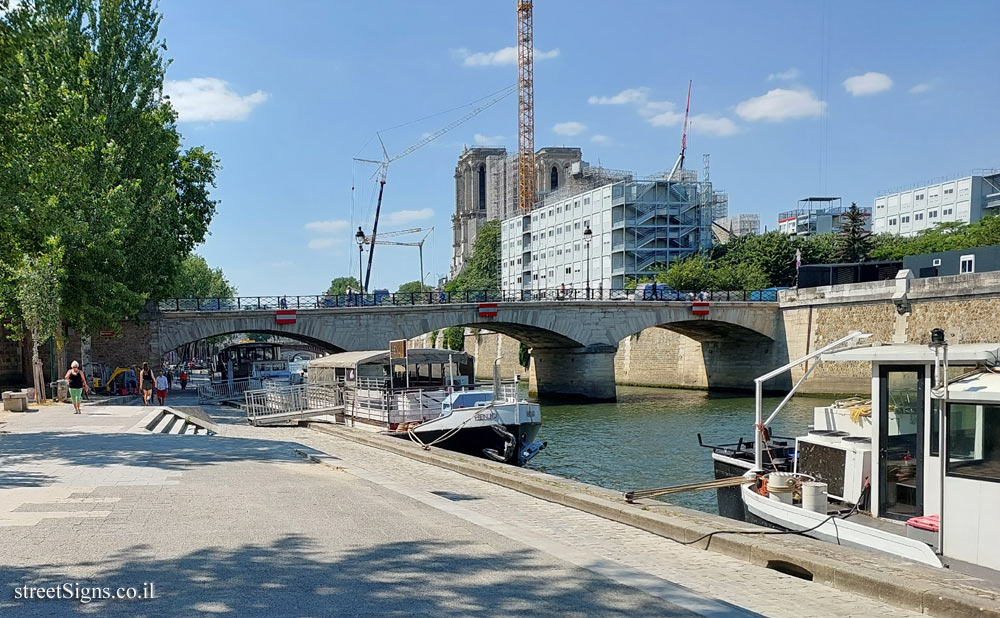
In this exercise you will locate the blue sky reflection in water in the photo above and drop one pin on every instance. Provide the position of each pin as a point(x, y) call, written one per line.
point(649, 437)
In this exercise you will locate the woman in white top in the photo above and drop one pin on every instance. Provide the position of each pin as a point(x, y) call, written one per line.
point(161, 388)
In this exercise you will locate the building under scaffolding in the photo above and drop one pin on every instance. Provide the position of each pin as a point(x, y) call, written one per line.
point(636, 227)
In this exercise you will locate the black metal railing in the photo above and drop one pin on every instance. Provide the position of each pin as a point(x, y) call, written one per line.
point(387, 299)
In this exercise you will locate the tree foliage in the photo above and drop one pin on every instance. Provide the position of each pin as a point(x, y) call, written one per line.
point(523, 355)
point(480, 272)
point(91, 156)
point(454, 338)
point(945, 237)
point(854, 242)
point(700, 273)
point(196, 279)
point(340, 285)
point(38, 292)
point(412, 287)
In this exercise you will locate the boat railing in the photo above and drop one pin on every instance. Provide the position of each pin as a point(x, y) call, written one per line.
point(227, 390)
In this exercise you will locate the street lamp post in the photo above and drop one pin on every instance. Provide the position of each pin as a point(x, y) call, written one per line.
point(360, 237)
point(587, 235)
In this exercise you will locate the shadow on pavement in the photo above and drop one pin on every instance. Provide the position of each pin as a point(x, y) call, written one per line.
point(291, 578)
point(20, 453)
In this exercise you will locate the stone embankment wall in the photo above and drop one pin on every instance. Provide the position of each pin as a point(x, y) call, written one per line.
point(482, 345)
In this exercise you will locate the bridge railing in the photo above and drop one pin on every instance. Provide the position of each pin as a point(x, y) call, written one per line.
point(387, 299)
point(275, 399)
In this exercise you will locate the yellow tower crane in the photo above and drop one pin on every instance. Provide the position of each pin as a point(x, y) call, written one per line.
point(525, 106)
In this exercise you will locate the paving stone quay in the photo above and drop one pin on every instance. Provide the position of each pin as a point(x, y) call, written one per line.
point(241, 524)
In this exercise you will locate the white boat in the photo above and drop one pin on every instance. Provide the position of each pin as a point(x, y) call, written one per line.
point(891, 474)
point(434, 401)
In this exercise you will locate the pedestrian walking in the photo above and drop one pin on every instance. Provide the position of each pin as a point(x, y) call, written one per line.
point(184, 380)
point(170, 379)
point(146, 382)
point(161, 388)
point(77, 385)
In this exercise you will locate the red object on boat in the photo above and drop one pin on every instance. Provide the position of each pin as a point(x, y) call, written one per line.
point(487, 310)
point(927, 522)
point(284, 316)
point(699, 307)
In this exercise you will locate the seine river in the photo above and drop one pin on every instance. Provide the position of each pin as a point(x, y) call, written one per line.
point(649, 438)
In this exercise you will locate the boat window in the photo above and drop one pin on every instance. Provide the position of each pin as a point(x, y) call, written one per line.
point(974, 441)
point(935, 428)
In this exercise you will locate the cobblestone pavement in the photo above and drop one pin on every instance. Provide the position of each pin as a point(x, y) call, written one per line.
point(240, 524)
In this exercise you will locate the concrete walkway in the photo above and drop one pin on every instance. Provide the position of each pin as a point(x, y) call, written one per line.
point(242, 524)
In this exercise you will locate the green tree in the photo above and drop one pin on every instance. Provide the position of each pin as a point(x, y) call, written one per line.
point(523, 355)
point(454, 338)
point(480, 272)
point(854, 244)
point(412, 287)
point(340, 286)
point(92, 156)
point(196, 279)
point(819, 249)
point(38, 292)
point(694, 273)
point(773, 254)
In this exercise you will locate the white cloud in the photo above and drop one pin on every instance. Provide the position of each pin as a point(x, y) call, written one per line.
point(791, 73)
point(709, 124)
point(484, 140)
point(209, 99)
point(324, 243)
point(781, 104)
point(661, 114)
point(867, 84)
point(500, 57)
point(629, 95)
point(569, 128)
point(401, 217)
point(333, 225)
point(600, 139)
point(919, 88)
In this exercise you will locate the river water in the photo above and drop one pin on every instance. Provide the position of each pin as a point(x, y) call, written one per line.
point(649, 437)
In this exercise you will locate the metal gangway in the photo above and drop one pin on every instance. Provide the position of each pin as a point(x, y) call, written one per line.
point(280, 403)
point(228, 391)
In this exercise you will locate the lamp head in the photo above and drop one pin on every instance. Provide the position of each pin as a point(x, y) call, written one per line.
point(587, 234)
point(360, 236)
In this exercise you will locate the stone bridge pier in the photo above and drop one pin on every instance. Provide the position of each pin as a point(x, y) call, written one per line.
point(573, 344)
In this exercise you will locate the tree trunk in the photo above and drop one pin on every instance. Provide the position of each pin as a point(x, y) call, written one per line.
point(37, 370)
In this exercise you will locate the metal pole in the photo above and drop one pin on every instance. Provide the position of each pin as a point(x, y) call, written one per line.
point(758, 443)
point(588, 269)
point(942, 452)
point(420, 249)
point(361, 268)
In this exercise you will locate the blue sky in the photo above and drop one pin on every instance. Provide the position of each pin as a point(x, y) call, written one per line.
point(790, 99)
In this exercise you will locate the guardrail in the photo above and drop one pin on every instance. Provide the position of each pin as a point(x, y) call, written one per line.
point(280, 401)
point(257, 303)
point(225, 390)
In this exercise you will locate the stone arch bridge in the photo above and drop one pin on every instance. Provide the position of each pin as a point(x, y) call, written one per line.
point(573, 342)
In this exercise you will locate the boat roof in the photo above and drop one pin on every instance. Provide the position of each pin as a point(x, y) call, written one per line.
point(413, 355)
point(915, 353)
point(981, 387)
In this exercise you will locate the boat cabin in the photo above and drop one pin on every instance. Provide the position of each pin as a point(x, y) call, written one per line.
point(422, 368)
point(939, 474)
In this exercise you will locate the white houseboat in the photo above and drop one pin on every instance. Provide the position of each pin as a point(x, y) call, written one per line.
point(893, 473)
point(430, 396)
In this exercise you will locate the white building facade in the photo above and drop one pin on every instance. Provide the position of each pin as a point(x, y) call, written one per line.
point(964, 200)
point(636, 227)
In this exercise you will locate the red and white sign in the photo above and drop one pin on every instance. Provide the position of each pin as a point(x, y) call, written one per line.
point(487, 310)
point(699, 307)
point(284, 316)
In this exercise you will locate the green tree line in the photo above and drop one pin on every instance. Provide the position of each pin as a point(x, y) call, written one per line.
point(94, 181)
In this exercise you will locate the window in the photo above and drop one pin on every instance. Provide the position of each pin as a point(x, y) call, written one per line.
point(967, 264)
point(946, 211)
point(550, 233)
point(918, 217)
point(569, 270)
point(918, 197)
point(555, 178)
point(576, 225)
point(936, 262)
point(534, 237)
point(558, 230)
point(974, 441)
point(586, 223)
point(932, 214)
point(877, 206)
point(905, 219)
point(558, 251)
point(534, 277)
point(558, 210)
point(519, 280)
point(586, 201)
point(550, 273)
point(542, 215)
point(482, 187)
point(892, 222)
point(550, 212)
point(948, 191)
point(519, 261)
